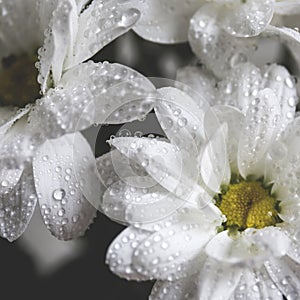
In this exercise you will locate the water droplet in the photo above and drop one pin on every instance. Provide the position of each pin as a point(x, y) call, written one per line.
point(59, 194)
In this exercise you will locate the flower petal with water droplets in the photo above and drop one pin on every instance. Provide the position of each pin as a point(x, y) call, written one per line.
point(168, 165)
point(285, 274)
point(234, 119)
point(58, 44)
point(260, 129)
point(251, 245)
point(217, 281)
point(240, 86)
point(175, 252)
point(93, 93)
point(182, 119)
point(247, 18)
point(136, 204)
point(165, 21)
point(120, 253)
point(175, 290)
point(17, 207)
point(99, 24)
point(279, 80)
point(216, 48)
point(256, 284)
point(214, 164)
point(200, 80)
point(284, 161)
point(61, 186)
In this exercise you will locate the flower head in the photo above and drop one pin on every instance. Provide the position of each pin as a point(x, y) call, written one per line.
point(42, 154)
point(215, 213)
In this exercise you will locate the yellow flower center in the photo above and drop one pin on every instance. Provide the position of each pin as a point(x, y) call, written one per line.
point(18, 81)
point(248, 204)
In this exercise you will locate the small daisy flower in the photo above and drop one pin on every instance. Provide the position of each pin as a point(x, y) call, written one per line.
point(213, 212)
point(42, 111)
point(168, 21)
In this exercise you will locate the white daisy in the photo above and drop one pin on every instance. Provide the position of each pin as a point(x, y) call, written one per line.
point(74, 96)
point(215, 215)
point(168, 21)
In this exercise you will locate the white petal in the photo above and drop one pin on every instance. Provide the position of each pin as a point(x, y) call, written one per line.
point(17, 207)
point(133, 204)
point(287, 7)
point(174, 252)
point(216, 48)
point(278, 79)
point(260, 130)
point(100, 24)
point(284, 162)
point(62, 177)
point(177, 290)
point(119, 256)
point(112, 167)
point(256, 285)
point(200, 80)
point(217, 281)
point(249, 246)
point(18, 144)
point(164, 21)
point(182, 119)
point(247, 18)
point(294, 250)
point(93, 93)
point(58, 43)
point(289, 37)
point(167, 164)
point(240, 86)
point(214, 164)
point(9, 178)
point(285, 274)
point(234, 119)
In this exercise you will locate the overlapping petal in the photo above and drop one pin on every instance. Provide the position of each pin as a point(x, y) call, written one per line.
point(93, 93)
point(166, 21)
point(17, 206)
point(61, 186)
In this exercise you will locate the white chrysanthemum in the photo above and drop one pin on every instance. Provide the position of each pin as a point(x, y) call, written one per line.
point(43, 156)
point(213, 213)
point(168, 21)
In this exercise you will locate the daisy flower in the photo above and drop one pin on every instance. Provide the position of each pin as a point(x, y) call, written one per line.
point(43, 155)
point(212, 212)
point(168, 21)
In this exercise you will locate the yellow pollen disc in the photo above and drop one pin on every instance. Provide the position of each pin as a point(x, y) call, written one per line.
point(18, 81)
point(248, 204)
